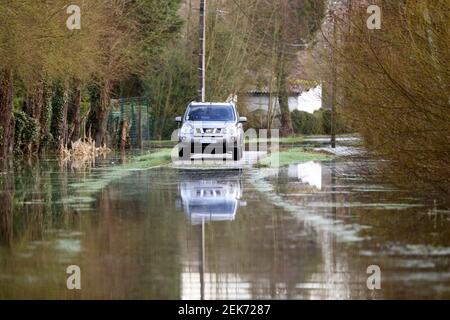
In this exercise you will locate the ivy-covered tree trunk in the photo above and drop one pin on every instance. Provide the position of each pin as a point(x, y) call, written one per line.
point(45, 118)
point(32, 106)
point(6, 108)
point(100, 100)
point(73, 113)
point(34, 101)
point(60, 102)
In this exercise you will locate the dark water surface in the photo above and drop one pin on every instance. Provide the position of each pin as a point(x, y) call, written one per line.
point(307, 231)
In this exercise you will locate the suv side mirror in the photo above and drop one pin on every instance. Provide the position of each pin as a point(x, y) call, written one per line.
point(179, 119)
point(243, 120)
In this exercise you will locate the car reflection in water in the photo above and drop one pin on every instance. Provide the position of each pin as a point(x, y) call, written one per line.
point(207, 196)
point(211, 195)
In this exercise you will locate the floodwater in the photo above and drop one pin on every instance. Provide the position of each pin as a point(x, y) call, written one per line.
point(306, 231)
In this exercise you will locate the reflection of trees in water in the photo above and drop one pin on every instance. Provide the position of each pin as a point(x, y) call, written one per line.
point(313, 202)
point(415, 225)
point(6, 203)
point(262, 247)
point(132, 240)
point(31, 196)
point(353, 194)
point(129, 242)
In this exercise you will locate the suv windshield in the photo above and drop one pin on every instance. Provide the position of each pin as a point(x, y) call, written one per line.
point(211, 113)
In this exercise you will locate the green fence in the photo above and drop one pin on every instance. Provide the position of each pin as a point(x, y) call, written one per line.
point(134, 115)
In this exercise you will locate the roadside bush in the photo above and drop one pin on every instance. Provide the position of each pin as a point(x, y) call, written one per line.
point(306, 123)
point(324, 118)
point(26, 132)
point(318, 123)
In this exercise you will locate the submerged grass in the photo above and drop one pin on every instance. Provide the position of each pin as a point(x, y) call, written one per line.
point(150, 160)
point(89, 187)
point(291, 156)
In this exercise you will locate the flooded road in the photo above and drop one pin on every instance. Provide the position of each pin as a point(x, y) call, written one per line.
point(306, 231)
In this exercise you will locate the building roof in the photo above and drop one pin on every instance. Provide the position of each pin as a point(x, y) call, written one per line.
point(267, 91)
point(295, 87)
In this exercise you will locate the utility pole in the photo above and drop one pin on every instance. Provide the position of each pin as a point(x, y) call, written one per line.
point(202, 53)
point(333, 85)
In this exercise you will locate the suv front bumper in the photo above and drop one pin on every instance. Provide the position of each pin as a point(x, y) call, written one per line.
point(208, 140)
point(213, 145)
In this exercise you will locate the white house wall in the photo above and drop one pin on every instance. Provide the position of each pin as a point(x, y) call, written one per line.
point(261, 102)
point(309, 101)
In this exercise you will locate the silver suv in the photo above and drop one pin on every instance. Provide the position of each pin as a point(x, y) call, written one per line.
point(211, 128)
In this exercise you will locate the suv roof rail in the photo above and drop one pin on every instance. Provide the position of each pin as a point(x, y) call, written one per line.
point(212, 103)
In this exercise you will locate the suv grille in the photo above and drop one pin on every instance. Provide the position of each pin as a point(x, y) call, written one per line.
point(209, 130)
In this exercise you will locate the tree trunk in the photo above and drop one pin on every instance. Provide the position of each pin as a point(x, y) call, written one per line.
point(286, 121)
point(32, 106)
point(45, 118)
point(60, 104)
point(100, 98)
point(73, 112)
point(283, 98)
point(34, 102)
point(6, 108)
point(124, 134)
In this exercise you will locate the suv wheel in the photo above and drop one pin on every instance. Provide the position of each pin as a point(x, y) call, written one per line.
point(237, 153)
point(184, 153)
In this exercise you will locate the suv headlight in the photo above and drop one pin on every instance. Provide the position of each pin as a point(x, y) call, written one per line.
point(187, 129)
point(230, 131)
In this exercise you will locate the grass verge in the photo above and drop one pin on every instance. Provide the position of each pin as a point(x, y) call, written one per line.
point(148, 161)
